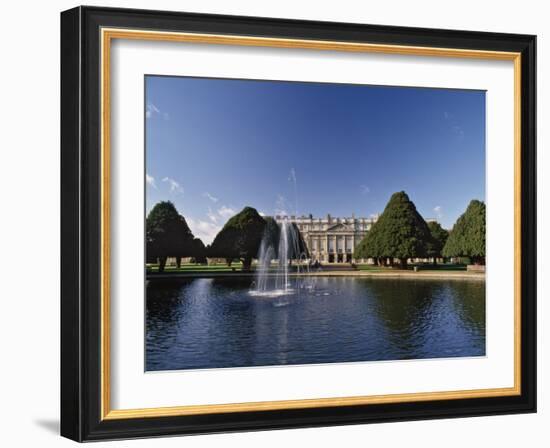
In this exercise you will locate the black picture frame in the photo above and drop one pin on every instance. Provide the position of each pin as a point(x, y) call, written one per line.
point(81, 224)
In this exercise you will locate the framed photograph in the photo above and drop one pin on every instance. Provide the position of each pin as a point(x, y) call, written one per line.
point(273, 223)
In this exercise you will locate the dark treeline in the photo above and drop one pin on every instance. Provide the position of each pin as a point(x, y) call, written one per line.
point(400, 234)
point(168, 235)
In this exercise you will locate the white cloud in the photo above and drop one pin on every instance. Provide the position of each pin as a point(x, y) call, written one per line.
point(455, 126)
point(364, 189)
point(221, 215)
point(150, 181)
point(151, 110)
point(175, 187)
point(207, 229)
point(261, 213)
point(458, 130)
point(226, 212)
point(212, 216)
point(438, 211)
point(204, 230)
point(209, 196)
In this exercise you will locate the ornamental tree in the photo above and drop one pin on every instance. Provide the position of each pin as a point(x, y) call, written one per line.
point(239, 238)
point(400, 232)
point(368, 247)
point(439, 238)
point(467, 237)
point(271, 237)
point(299, 247)
point(199, 252)
point(167, 234)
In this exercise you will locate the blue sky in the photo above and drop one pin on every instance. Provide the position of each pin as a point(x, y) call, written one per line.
point(214, 146)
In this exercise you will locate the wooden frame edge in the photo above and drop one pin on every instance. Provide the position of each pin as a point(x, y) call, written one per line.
point(306, 403)
point(107, 34)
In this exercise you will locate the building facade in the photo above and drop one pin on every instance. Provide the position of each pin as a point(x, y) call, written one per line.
point(329, 239)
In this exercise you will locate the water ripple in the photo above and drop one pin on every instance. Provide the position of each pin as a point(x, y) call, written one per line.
point(211, 323)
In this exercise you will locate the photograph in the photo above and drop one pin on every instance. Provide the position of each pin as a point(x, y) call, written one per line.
point(273, 222)
point(294, 223)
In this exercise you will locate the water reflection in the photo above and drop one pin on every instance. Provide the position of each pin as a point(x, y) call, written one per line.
point(210, 323)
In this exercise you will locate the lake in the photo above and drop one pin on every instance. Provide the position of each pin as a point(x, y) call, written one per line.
point(202, 323)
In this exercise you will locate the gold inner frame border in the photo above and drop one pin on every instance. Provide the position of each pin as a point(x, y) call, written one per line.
point(107, 36)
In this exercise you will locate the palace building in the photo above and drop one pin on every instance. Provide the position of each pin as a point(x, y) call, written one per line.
point(331, 240)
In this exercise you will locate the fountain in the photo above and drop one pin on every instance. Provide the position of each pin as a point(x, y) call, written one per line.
point(283, 243)
point(280, 242)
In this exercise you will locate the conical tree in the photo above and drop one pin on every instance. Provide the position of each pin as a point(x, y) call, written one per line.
point(239, 238)
point(368, 247)
point(167, 234)
point(272, 235)
point(439, 238)
point(199, 252)
point(299, 249)
point(400, 232)
point(467, 237)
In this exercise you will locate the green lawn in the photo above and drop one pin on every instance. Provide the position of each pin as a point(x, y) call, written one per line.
point(237, 267)
point(371, 267)
point(194, 268)
point(410, 267)
point(440, 267)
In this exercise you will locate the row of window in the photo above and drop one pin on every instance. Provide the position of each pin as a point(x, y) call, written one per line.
point(316, 246)
point(349, 250)
point(321, 227)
